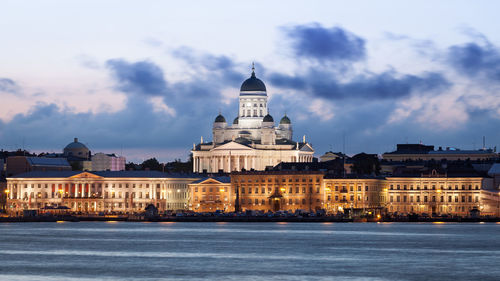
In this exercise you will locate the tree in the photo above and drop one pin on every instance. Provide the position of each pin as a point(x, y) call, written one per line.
point(152, 164)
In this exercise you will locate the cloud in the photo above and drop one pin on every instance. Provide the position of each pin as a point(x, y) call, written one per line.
point(476, 60)
point(143, 77)
point(8, 86)
point(387, 85)
point(316, 42)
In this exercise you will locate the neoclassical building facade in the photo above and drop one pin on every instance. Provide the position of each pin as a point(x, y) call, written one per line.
point(105, 191)
point(252, 141)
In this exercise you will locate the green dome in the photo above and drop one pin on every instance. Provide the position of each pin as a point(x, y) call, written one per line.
point(268, 118)
point(285, 120)
point(220, 119)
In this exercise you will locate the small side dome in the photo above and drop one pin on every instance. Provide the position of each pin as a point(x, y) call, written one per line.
point(285, 120)
point(220, 119)
point(268, 118)
point(235, 122)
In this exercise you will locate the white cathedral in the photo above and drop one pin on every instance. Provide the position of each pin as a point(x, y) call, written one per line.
point(253, 141)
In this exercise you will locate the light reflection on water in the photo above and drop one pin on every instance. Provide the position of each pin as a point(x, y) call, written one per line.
point(249, 251)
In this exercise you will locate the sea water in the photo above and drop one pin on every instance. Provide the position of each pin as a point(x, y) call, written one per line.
point(249, 251)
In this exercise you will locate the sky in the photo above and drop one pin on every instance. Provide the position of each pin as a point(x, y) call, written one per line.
point(147, 78)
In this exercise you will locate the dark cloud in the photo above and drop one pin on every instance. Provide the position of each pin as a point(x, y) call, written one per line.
point(325, 44)
point(141, 77)
point(220, 69)
point(8, 85)
point(386, 85)
point(476, 60)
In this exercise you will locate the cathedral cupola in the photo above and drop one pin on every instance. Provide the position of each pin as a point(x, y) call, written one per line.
point(253, 84)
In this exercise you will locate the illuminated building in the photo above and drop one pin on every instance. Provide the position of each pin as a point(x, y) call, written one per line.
point(107, 162)
point(252, 141)
point(435, 194)
point(356, 194)
point(108, 191)
point(211, 194)
point(279, 190)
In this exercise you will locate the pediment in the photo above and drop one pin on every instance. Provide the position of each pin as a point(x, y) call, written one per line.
point(232, 146)
point(210, 181)
point(307, 147)
point(86, 175)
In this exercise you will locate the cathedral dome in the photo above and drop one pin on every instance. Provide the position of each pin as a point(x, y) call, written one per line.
point(235, 122)
point(253, 84)
point(220, 119)
point(285, 120)
point(268, 118)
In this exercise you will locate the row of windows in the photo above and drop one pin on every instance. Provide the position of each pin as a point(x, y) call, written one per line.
point(270, 201)
point(433, 187)
point(99, 185)
point(351, 188)
point(249, 113)
point(254, 105)
point(433, 199)
point(277, 180)
point(168, 195)
point(351, 198)
point(283, 190)
point(210, 198)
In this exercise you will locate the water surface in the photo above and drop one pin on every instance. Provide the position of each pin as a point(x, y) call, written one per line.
point(249, 251)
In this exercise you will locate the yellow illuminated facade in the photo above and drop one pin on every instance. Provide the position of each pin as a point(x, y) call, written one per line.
point(360, 194)
point(434, 194)
point(279, 190)
point(211, 194)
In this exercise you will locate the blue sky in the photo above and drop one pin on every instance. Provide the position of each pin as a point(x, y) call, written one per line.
point(148, 79)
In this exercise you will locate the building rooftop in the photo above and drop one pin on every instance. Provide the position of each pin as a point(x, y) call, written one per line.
point(105, 174)
point(42, 161)
point(221, 179)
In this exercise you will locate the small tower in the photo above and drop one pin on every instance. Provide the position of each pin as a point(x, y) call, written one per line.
point(219, 128)
point(268, 135)
point(285, 128)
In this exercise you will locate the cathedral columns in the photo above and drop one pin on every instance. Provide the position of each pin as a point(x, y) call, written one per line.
point(246, 163)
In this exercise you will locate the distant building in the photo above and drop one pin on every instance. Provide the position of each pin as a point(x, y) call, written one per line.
point(211, 194)
point(107, 162)
point(328, 156)
point(78, 155)
point(23, 164)
point(420, 152)
point(76, 149)
point(106, 191)
point(252, 141)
